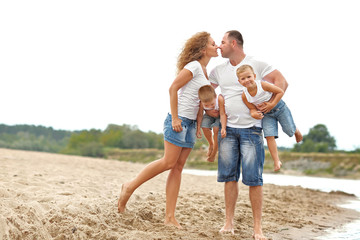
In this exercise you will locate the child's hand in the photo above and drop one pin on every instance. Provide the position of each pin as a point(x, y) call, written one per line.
point(198, 133)
point(223, 132)
point(265, 107)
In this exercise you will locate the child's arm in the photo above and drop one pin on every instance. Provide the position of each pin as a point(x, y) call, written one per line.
point(199, 119)
point(253, 110)
point(278, 93)
point(223, 117)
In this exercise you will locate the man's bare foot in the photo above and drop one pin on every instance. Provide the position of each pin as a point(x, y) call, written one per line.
point(226, 229)
point(259, 237)
point(298, 136)
point(123, 198)
point(172, 222)
point(211, 147)
point(277, 165)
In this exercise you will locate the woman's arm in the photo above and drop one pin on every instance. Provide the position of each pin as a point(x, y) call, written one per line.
point(182, 78)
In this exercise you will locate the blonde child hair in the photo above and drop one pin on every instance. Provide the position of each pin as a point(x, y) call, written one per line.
point(243, 68)
point(206, 93)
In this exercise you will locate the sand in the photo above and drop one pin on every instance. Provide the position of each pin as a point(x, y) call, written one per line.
point(53, 196)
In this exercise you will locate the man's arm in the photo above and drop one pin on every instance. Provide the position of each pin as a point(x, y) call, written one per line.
point(276, 78)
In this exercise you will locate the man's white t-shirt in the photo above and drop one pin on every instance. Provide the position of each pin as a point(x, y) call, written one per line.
point(188, 100)
point(224, 75)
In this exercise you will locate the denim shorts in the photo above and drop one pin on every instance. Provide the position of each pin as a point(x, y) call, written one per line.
point(186, 138)
point(210, 122)
point(242, 147)
point(280, 113)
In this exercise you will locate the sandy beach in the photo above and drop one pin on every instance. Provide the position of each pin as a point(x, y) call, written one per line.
point(53, 196)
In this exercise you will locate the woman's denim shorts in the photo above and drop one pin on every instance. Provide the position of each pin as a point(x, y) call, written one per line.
point(186, 138)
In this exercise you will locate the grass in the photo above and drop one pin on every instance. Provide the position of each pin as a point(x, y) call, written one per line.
point(342, 165)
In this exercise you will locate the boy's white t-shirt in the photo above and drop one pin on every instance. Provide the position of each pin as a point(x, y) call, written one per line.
point(224, 75)
point(188, 100)
point(260, 96)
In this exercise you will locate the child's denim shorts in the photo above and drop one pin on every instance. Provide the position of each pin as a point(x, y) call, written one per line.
point(210, 122)
point(186, 138)
point(280, 113)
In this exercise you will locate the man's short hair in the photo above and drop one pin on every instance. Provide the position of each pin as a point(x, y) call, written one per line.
point(236, 35)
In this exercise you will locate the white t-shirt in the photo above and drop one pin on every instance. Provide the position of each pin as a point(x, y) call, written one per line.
point(188, 100)
point(260, 96)
point(224, 75)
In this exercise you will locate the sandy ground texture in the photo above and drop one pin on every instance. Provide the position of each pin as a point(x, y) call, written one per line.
point(52, 196)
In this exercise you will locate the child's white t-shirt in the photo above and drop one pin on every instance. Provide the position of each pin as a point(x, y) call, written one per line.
point(260, 96)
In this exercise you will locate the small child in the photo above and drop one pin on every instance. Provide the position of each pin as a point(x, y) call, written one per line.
point(256, 92)
point(214, 114)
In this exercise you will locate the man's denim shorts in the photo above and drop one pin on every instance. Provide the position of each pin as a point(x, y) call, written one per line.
point(242, 147)
point(210, 122)
point(186, 138)
point(280, 113)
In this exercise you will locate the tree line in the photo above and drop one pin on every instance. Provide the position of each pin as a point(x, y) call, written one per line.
point(96, 142)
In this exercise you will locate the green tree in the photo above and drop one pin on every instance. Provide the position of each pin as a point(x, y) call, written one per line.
point(317, 140)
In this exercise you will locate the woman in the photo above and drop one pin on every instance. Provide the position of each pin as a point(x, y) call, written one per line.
point(180, 125)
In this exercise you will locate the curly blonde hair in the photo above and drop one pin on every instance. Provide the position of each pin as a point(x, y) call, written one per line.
point(192, 49)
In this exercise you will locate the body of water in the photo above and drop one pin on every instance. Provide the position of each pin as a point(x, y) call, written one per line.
point(349, 231)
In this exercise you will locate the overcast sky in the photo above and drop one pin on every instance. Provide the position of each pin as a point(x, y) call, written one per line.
point(76, 65)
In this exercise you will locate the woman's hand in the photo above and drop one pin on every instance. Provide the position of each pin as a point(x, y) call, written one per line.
point(176, 124)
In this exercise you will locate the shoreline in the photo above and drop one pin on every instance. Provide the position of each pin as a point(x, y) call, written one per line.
point(53, 196)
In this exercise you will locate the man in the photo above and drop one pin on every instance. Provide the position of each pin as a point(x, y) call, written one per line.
point(243, 144)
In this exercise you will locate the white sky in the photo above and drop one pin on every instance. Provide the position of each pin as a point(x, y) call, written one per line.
point(76, 65)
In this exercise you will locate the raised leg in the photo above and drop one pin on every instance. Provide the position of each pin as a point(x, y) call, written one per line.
point(171, 155)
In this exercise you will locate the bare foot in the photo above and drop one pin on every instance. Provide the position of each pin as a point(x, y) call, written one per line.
point(172, 222)
point(211, 147)
point(259, 237)
point(123, 198)
point(277, 165)
point(226, 229)
point(211, 158)
point(298, 136)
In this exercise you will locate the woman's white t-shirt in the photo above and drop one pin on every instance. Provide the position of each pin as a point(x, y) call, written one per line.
point(188, 100)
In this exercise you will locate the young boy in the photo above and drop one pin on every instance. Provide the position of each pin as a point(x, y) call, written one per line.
point(214, 115)
point(256, 92)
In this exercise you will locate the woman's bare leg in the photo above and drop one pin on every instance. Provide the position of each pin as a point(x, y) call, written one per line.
point(173, 186)
point(171, 155)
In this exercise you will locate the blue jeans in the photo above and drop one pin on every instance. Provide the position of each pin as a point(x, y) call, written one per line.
point(185, 138)
point(242, 147)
